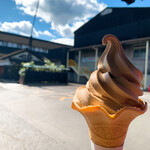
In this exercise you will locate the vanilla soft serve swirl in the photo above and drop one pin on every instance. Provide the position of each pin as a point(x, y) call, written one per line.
point(116, 82)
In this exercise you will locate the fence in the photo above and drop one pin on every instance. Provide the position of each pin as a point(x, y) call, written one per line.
point(48, 77)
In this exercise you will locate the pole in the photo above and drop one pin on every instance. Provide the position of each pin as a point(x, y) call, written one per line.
point(146, 65)
point(96, 57)
point(67, 61)
point(79, 59)
point(30, 40)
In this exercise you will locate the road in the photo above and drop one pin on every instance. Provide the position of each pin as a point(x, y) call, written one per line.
point(40, 118)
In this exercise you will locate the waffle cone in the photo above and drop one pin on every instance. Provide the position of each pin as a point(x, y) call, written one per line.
point(105, 129)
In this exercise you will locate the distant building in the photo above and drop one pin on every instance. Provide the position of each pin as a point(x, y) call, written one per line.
point(15, 49)
point(130, 25)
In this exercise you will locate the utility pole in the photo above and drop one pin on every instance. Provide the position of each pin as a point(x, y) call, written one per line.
point(146, 65)
point(30, 40)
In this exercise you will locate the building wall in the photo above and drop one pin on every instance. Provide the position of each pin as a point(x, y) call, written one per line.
point(122, 32)
point(125, 23)
point(138, 62)
point(14, 41)
point(88, 59)
point(58, 56)
point(148, 80)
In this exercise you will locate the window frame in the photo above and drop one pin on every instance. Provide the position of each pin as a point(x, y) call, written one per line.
point(140, 56)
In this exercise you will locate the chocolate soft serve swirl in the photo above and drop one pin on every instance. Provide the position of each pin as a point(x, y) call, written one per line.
point(116, 82)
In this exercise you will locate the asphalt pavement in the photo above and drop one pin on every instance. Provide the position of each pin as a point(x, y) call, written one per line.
point(39, 117)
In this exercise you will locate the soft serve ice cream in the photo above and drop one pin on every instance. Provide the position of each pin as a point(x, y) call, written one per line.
point(109, 101)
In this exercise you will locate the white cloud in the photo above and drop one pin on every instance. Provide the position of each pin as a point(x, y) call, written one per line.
point(64, 15)
point(64, 31)
point(46, 33)
point(77, 24)
point(67, 41)
point(22, 28)
point(67, 30)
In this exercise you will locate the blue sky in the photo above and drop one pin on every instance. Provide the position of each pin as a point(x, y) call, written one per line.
point(56, 19)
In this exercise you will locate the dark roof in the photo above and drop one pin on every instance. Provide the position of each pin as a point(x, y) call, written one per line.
point(41, 56)
point(115, 16)
point(125, 23)
point(11, 37)
point(5, 56)
point(137, 42)
point(18, 52)
point(6, 50)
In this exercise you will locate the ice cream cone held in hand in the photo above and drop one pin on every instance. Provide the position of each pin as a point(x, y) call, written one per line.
point(109, 101)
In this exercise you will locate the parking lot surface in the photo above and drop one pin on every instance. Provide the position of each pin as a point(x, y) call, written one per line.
point(39, 117)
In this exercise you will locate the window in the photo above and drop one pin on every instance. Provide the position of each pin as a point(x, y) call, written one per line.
point(41, 50)
point(4, 43)
point(14, 45)
point(10, 44)
point(45, 51)
point(139, 53)
point(33, 49)
point(25, 46)
point(19, 46)
point(36, 49)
